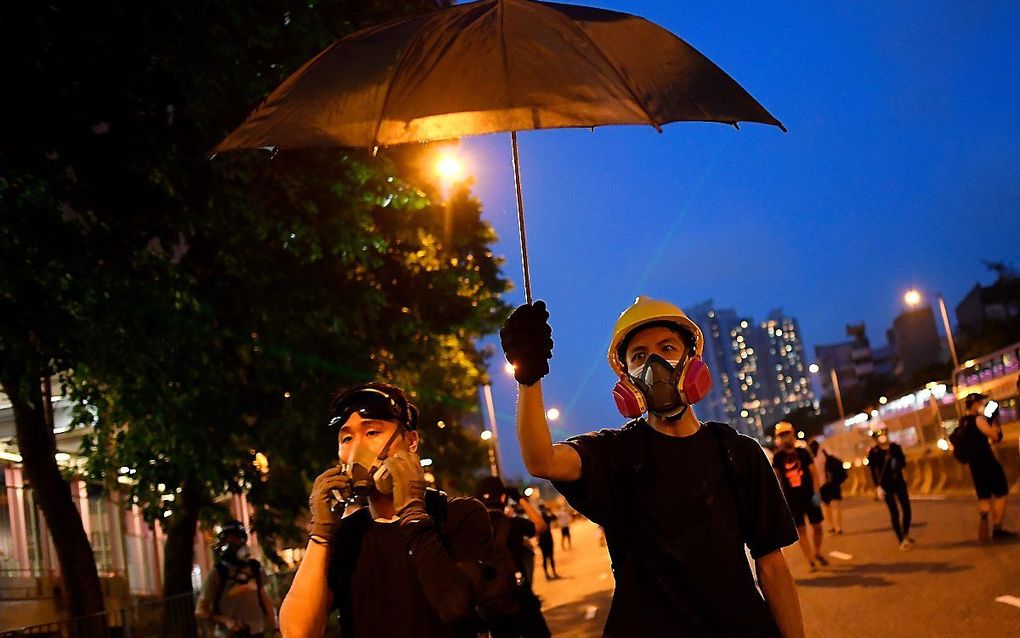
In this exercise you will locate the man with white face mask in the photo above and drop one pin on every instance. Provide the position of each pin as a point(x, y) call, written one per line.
point(678, 499)
point(234, 597)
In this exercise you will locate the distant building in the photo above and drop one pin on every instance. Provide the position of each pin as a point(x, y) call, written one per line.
point(916, 341)
point(854, 361)
point(759, 371)
point(716, 324)
point(786, 382)
point(999, 302)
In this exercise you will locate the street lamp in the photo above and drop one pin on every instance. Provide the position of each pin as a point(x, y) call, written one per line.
point(451, 170)
point(552, 414)
point(913, 299)
point(509, 368)
point(492, 434)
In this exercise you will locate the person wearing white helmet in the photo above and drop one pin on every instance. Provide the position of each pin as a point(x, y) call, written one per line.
point(679, 499)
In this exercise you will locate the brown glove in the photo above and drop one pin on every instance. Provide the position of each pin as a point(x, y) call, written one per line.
point(408, 480)
point(324, 519)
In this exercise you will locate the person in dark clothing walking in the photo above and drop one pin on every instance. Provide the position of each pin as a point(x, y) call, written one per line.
point(546, 544)
point(679, 499)
point(989, 478)
point(886, 462)
point(411, 561)
point(511, 608)
point(797, 473)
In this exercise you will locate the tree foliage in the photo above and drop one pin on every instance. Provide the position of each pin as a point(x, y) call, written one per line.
point(209, 308)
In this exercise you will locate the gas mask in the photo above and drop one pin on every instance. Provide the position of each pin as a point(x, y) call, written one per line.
point(658, 380)
point(235, 554)
point(366, 471)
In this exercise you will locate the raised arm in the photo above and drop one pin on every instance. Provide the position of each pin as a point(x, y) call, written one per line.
point(527, 342)
point(305, 610)
point(543, 459)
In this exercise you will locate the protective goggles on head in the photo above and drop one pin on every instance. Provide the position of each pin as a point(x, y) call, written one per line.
point(374, 403)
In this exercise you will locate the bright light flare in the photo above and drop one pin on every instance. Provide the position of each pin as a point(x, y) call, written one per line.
point(426, 462)
point(813, 368)
point(486, 435)
point(528, 491)
point(509, 368)
point(552, 414)
point(943, 445)
point(912, 297)
point(450, 168)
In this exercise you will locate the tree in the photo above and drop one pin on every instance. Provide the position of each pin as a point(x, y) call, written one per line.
point(207, 308)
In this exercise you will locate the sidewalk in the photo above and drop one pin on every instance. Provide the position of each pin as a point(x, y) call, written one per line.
point(576, 605)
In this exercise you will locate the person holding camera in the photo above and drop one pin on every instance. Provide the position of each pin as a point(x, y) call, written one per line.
point(233, 596)
point(411, 561)
point(981, 420)
point(678, 498)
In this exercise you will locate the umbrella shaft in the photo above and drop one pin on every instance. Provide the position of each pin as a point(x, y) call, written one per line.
point(520, 217)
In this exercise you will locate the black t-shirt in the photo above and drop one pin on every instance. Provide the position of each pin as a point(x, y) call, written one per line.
point(794, 468)
point(520, 528)
point(668, 506)
point(371, 568)
point(887, 465)
point(982, 453)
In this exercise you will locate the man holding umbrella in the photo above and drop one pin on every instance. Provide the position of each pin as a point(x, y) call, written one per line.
point(679, 499)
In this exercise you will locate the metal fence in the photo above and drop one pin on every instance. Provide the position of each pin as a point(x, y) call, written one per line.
point(167, 618)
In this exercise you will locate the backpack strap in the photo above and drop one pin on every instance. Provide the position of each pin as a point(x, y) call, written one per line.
point(725, 436)
point(224, 575)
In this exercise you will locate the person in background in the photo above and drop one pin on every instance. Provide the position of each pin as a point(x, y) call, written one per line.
point(564, 517)
point(989, 478)
point(234, 597)
point(830, 468)
point(546, 544)
point(800, 480)
point(886, 462)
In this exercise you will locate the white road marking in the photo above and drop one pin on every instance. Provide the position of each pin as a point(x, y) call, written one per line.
point(1009, 600)
point(590, 611)
point(841, 555)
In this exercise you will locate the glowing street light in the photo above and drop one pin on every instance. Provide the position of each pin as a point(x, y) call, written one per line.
point(813, 368)
point(450, 168)
point(912, 297)
point(509, 367)
point(486, 435)
point(552, 414)
point(528, 491)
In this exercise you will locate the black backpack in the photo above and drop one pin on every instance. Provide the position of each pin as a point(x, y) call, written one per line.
point(964, 440)
point(834, 466)
point(502, 593)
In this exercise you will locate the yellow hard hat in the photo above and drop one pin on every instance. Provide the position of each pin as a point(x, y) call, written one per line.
point(644, 311)
point(783, 427)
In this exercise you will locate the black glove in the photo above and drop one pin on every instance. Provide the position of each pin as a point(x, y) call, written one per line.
point(527, 342)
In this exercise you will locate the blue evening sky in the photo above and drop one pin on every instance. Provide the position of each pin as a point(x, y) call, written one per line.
point(901, 168)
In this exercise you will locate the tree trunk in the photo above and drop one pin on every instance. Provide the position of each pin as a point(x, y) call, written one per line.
point(74, 553)
point(179, 553)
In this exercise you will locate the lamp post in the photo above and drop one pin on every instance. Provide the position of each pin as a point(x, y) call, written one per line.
point(913, 298)
point(813, 369)
point(492, 434)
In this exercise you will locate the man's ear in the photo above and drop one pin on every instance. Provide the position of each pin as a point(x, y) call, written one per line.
point(412, 442)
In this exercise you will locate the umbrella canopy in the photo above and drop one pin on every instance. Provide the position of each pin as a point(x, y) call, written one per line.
point(492, 66)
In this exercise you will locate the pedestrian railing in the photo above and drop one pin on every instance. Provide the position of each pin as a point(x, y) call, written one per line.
point(172, 617)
